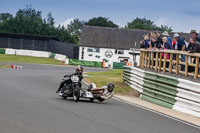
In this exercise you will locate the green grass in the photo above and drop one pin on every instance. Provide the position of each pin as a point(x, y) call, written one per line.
point(5, 66)
point(114, 76)
point(28, 59)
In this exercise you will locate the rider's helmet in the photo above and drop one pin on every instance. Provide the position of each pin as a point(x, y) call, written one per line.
point(110, 87)
point(79, 69)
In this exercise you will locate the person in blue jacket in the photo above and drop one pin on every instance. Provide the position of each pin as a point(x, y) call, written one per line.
point(181, 47)
point(165, 34)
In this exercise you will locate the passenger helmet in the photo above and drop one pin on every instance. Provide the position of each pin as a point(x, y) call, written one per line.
point(110, 87)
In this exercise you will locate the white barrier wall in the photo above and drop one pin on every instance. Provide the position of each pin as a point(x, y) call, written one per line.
point(33, 53)
point(10, 51)
point(60, 57)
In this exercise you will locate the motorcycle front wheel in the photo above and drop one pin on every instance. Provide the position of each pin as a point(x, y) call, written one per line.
point(76, 93)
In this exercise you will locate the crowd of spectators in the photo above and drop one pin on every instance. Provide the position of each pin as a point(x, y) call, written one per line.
point(164, 41)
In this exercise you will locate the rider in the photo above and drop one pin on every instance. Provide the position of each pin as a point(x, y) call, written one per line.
point(79, 72)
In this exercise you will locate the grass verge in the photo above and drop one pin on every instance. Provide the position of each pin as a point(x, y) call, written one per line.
point(114, 76)
point(28, 59)
point(4, 66)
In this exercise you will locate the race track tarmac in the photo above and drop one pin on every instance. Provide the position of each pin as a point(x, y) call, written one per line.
point(29, 104)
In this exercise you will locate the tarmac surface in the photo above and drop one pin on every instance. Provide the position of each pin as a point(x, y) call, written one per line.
point(29, 104)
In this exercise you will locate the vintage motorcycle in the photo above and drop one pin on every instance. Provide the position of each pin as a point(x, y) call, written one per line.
point(72, 89)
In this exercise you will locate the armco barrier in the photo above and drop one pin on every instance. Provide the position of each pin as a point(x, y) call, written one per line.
point(178, 94)
point(85, 63)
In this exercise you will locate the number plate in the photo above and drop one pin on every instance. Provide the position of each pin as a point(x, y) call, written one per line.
point(75, 78)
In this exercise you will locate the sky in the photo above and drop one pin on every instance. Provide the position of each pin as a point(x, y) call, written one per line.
point(181, 15)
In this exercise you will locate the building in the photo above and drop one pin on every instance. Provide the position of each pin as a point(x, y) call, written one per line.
point(111, 44)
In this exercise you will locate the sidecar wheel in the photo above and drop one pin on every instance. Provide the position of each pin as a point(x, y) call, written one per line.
point(101, 100)
point(65, 97)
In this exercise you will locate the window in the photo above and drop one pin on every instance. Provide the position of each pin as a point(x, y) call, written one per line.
point(118, 51)
point(97, 50)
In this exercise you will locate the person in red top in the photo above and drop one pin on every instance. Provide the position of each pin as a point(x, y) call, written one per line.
point(174, 44)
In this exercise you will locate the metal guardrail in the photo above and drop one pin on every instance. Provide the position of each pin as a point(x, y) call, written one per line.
point(157, 59)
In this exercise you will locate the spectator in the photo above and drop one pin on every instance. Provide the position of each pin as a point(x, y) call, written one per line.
point(195, 35)
point(174, 44)
point(165, 46)
point(186, 43)
point(153, 42)
point(165, 34)
point(159, 40)
point(179, 42)
point(194, 46)
point(180, 46)
point(145, 43)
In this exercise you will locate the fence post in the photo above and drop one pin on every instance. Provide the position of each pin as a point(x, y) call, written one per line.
point(186, 65)
point(149, 59)
point(170, 62)
point(146, 53)
point(152, 60)
point(164, 64)
point(177, 63)
point(160, 62)
point(156, 65)
point(143, 57)
point(196, 67)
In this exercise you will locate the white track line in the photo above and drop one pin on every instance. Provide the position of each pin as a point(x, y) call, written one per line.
point(142, 107)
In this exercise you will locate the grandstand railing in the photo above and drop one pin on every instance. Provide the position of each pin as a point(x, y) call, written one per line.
point(170, 61)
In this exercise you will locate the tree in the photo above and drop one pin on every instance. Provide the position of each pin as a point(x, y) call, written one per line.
point(50, 20)
point(144, 24)
point(5, 16)
point(102, 22)
point(75, 28)
point(166, 28)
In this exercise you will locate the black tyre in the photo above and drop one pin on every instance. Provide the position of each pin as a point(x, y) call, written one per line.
point(91, 99)
point(101, 100)
point(64, 97)
point(76, 93)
